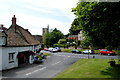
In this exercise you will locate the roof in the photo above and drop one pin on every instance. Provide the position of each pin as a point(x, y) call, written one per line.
point(2, 33)
point(38, 37)
point(18, 36)
point(3, 28)
point(72, 36)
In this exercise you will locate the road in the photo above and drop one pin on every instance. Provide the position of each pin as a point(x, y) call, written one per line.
point(53, 65)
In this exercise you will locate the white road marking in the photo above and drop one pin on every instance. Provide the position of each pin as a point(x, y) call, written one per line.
point(68, 56)
point(35, 71)
point(56, 63)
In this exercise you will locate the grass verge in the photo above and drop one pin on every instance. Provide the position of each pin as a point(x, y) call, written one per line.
point(46, 54)
point(91, 68)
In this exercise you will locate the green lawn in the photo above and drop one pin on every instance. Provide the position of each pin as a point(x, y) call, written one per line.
point(46, 54)
point(91, 68)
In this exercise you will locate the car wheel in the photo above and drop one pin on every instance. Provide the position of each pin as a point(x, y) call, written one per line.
point(108, 54)
point(100, 53)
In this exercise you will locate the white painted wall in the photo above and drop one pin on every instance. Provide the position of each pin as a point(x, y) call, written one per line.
point(2, 40)
point(16, 50)
point(0, 58)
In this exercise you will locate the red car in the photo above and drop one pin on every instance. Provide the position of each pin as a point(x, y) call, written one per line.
point(46, 49)
point(105, 51)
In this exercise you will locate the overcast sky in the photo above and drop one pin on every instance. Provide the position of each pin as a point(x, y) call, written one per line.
point(37, 14)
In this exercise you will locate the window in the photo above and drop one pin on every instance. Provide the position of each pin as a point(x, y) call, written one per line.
point(104, 50)
point(11, 57)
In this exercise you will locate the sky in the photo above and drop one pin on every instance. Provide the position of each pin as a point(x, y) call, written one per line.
point(37, 14)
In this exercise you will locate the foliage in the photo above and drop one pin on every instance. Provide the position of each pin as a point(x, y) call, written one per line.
point(46, 40)
point(59, 45)
point(75, 28)
point(52, 37)
point(99, 21)
point(62, 41)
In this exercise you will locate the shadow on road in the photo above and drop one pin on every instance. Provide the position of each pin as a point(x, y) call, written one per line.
point(12, 72)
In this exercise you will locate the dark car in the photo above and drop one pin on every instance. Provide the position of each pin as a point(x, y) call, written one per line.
point(76, 51)
point(105, 51)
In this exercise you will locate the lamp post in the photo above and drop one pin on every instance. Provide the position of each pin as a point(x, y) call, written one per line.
point(88, 52)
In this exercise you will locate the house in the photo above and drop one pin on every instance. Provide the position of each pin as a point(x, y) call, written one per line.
point(17, 45)
point(80, 35)
point(73, 37)
point(38, 37)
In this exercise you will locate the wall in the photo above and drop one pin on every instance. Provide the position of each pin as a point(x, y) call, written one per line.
point(2, 40)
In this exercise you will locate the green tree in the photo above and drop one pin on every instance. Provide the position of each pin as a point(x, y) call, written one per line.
point(75, 27)
point(100, 22)
point(54, 36)
point(46, 39)
point(62, 41)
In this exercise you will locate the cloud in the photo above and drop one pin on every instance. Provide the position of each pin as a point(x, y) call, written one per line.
point(37, 14)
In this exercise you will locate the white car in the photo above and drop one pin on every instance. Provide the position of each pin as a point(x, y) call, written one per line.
point(88, 51)
point(52, 49)
point(56, 49)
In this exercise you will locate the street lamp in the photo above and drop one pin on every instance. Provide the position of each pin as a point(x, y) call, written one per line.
point(88, 52)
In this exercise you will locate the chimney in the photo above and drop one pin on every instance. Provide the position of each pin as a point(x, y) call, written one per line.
point(14, 20)
point(1, 25)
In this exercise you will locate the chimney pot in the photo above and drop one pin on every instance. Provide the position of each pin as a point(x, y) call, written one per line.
point(13, 20)
point(1, 25)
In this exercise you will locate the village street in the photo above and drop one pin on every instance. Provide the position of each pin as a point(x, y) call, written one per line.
point(54, 64)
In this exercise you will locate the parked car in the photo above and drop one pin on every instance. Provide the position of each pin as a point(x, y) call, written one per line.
point(46, 49)
point(52, 50)
point(88, 51)
point(76, 51)
point(57, 49)
point(105, 51)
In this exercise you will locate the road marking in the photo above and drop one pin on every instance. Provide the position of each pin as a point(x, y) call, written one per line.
point(35, 71)
point(68, 56)
point(56, 63)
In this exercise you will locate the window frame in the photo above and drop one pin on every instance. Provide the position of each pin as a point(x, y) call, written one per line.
point(11, 57)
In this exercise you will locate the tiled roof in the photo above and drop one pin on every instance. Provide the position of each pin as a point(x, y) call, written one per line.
point(18, 36)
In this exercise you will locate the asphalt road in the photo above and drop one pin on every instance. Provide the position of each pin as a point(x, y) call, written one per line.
point(53, 65)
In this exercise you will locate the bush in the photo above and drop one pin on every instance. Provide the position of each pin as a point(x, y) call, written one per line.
point(59, 45)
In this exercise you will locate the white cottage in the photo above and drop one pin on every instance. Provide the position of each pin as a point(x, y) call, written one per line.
point(17, 46)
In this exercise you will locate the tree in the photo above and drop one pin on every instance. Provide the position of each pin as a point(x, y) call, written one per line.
point(54, 36)
point(75, 27)
point(100, 22)
point(62, 41)
point(46, 39)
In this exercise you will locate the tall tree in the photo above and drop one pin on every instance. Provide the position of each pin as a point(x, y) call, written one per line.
point(52, 37)
point(75, 27)
point(46, 39)
point(55, 35)
point(100, 22)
